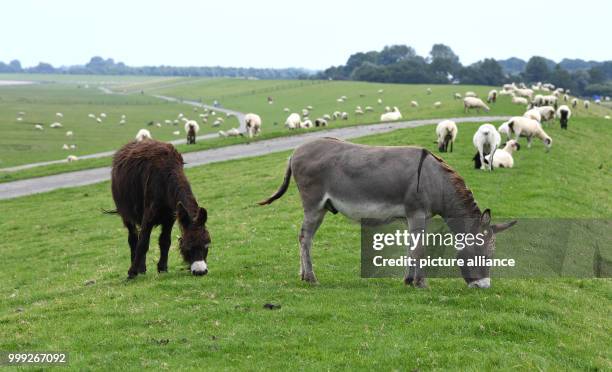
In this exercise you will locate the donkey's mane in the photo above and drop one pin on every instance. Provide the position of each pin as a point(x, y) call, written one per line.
point(463, 192)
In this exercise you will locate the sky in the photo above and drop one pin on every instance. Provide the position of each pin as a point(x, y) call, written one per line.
point(313, 34)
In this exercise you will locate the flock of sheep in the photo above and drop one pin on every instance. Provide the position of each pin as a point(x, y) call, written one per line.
point(542, 102)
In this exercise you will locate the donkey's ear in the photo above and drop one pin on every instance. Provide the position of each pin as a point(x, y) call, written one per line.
point(182, 215)
point(485, 218)
point(202, 217)
point(499, 227)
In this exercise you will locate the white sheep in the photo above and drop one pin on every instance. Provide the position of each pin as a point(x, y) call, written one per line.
point(414, 104)
point(293, 121)
point(327, 117)
point(457, 96)
point(336, 115)
point(73, 147)
point(142, 135)
point(428, 91)
point(59, 114)
point(191, 129)
point(380, 91)
point(65, 147)
point(529, 128)
point(99, 120)
point(91, 116)
point(253, 124)
point(344, 116)
point(392, 115)
point(177, 132)
point(103, 115)
point(369, 109)
point(574, 102)
point(505, 130)
point(387, 109)
point(234, 132)
point(492, 96)
point(587, 104)
point(520, 101)
point(563, 113)
point(379, 101)
point(503, 157)
point(446, 131)
point(534, 114)
point(486, 140)
point(469, 93)
point(286, 109)
point(546, 113)
point(437, 104)
point(72, 158)
point(474, 103)
point(55, 125)
point(524, 92)
point(38, 127)
point(320, 122)
point(306, 124)
point(69, 133)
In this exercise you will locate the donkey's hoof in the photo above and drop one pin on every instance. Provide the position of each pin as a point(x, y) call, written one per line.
point(421, 283)
point(162, 268)
point(132, 274)
point(309, 277)
point(408, 281)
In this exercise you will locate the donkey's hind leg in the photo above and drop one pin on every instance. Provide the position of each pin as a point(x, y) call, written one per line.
point(132, 238)
point(164, 245)
point(312, 221)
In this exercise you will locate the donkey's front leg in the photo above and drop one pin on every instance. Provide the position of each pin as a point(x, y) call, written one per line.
point(139, 265)
point(415, 275)
point(312, 221)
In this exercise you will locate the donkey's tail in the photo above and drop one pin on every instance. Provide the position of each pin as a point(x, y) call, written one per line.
point(424, 153)
point(109, 212)
point(282, 189)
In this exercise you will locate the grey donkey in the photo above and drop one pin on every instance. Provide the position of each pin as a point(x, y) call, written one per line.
point(383, 183)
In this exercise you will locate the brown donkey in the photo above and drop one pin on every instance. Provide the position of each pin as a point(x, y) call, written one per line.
point(150, 188)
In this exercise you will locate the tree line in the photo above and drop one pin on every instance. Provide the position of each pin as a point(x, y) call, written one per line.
point(401, 64)
point(100, 66)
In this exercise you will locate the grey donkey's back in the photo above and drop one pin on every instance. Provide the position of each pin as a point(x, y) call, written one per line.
point(374, 182)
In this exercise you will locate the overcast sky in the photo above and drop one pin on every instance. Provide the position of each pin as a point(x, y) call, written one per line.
point(309, 33)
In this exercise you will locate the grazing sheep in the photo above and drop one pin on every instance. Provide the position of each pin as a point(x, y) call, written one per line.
point(234, 132)
point(65, 147)
point(38, 127)
point(142, 135)
point(72, 147)
point(305, 112)
point(177, 132)
point(55, 125)
point(320, 122)
point(428, 91)
point(306, 124)
point(565, 98)
point(546, 112)
point(446, 132)
point(486, 140)
point(19, 118)
point(414, 104)
point(344, 116)
point(524, 92)
point(564, 113)
point(340, 100)
point(69, 134)
point(72, 158)
point(504, 129)
point(327, 117)
point(437, 104)
point(369, 109)
point(99, 120)
point(191, 128)
point(380, 91)
point(286, 109)
point(122, 121)
point(607, 117)
point(504, 93)
point(379, 101)
point(59, 114)
point(309, 107)
point(387, 109)
point(587, 104)
point(598, 101)
point(520, 101)
point(529, 128)
point(574, 102)
point(492, 96)
point(103, 115)
point(336, 115)
point(293, 121)
point(392, 115)
point(457, 96)
point(253, 124)
point(358, 111)
point(469, 93)
point(503, 158)
point(474, 103)
point(216, 123)
point(534, 114)
point(91, 116)
point(158, 125)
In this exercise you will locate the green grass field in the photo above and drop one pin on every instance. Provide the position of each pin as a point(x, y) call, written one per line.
point(21, 143)
point(53, 243)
